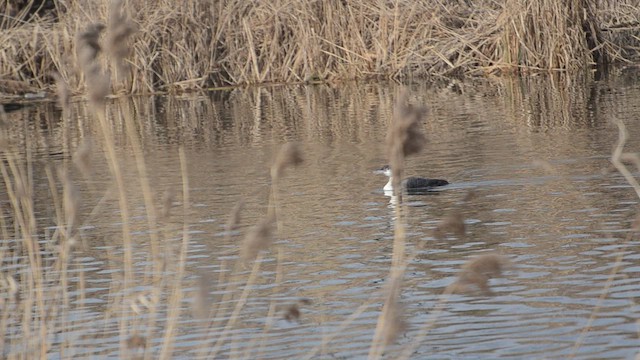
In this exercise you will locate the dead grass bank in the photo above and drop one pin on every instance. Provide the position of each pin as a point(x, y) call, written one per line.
point(197, 44)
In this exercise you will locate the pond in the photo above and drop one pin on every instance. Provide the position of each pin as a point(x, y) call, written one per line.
point(149, 267)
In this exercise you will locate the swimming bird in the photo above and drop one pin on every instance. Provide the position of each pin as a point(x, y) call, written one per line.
point(411, 184)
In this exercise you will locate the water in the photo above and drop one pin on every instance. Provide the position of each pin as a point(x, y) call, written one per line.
point(534, 153)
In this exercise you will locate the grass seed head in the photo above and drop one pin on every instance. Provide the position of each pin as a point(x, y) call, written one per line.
point(471, 283)
point(289, 155)
point(259, 238)
point(119, 29)
point(476, 273)
point(87, 50)
point(88, 46)
point(405, 136)
point(136, 342)
point(451, 224)
point(491, 265)
point(292, 313)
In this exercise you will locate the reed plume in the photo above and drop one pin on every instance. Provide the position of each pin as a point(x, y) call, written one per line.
point(136, 341)
point(453, 223)
point(259, 238)
point(476, 273)
point(88, 46)
point(404, 137)
point(119, 30)
point(292, 313)
point(87, 50)
point(289, 155)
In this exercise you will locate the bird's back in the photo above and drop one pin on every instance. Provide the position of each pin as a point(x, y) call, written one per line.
point(424, 184)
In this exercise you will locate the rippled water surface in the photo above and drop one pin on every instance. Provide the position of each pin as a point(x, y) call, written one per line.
point(534, 154)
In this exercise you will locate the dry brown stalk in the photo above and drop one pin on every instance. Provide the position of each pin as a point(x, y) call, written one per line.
point(82, 157)
point(62, 91)
point(71, 204)
point(234, 217)
point(167, 203)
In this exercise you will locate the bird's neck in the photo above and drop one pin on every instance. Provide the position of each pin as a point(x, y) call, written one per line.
point(389, 185)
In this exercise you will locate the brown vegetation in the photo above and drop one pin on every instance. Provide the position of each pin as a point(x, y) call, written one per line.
point(201, 44)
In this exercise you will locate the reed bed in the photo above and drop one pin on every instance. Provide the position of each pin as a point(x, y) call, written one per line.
point(199, 45)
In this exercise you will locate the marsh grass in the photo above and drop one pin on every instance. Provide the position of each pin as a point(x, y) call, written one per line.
point(196, 45)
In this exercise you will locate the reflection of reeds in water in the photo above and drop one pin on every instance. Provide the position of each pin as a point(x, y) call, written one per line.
point(554, 101)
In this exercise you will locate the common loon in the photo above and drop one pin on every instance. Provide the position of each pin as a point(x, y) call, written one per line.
point(411, 184)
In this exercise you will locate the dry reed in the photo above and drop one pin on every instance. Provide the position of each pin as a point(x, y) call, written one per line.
point(119, 30)
point(258, 239)
point(292, 313)
point(197, 45)
point(289, 155)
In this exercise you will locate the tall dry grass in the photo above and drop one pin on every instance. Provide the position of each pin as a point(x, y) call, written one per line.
point(200, 44)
